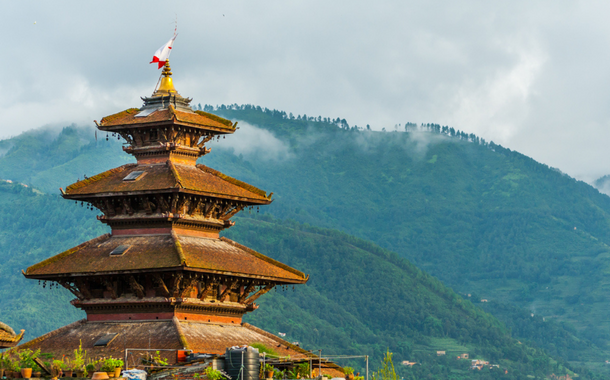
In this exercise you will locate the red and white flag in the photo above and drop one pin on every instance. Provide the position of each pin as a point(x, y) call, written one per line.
point(162, 54)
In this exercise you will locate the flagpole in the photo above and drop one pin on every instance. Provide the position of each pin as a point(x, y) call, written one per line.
point(160, 51)
point(159, 81)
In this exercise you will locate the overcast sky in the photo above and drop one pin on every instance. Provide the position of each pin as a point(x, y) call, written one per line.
point(532, 76)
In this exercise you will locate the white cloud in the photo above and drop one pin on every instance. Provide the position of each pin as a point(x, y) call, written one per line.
point(255, 141)
point(530, 75)
point(498, 107)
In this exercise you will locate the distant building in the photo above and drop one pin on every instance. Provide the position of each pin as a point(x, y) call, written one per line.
point(478, 364)
point(440, 353)
point(408, 363)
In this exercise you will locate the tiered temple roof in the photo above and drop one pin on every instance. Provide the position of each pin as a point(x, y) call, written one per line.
point(205, 255)
point(163, 177)
point(197, 119)
point(163, 277)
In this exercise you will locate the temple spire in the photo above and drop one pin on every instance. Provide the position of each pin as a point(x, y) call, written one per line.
point(166, 87)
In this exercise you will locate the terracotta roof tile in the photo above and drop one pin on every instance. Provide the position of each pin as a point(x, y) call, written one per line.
point(8, 338)
point(209, 338)
point(64, 340)
point(221, 256)
point(233, 181)
point(200, 179)
point(195, 119)
point(224, 256)
point(145, 252)
point(111, 119)
point(216, 338)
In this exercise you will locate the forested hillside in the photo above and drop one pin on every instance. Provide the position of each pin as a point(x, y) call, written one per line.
point(360, 298)
point(50, 159)
point(363, 299)
point(485, 220)
point(34, 227)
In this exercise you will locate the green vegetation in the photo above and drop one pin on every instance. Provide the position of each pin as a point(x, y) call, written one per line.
point(361, 299)
point(485, 220)
point(78, 361)
point(27, 357)
point(109, 364)
point(34, 227)
point(262, 348)
point(386, 371)
point(213, 374)
point(50, 160)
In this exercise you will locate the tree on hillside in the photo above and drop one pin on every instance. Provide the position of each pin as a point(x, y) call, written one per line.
point(387, 371)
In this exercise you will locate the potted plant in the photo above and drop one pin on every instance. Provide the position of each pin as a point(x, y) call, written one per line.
point(16, 368)
point(118, 366)
point(293, 373)
point(303, 369)
point(91, 367)
point(36, 371)
point(56, 369)
point(67, 367)
point(78, 363)
point(26, 361)
point(349, 373)
point(109, 366)
point(277, 374)
point(11, 365)
point(3, 363)
point(268, 370)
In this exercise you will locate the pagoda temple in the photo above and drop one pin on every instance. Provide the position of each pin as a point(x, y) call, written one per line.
point(163, 278)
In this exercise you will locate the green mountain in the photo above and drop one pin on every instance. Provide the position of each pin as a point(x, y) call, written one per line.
point(485, 220)
point(360, 299)
point(34, 226)
point(50, 159)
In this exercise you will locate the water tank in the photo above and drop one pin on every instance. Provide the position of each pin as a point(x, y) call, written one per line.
point(242, 363)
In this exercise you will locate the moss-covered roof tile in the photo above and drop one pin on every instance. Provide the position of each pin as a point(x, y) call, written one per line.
point(166, 176)
point(145, 253)
point(196, 119)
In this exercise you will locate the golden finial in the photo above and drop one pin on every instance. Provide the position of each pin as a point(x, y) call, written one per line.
point(167, 84)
